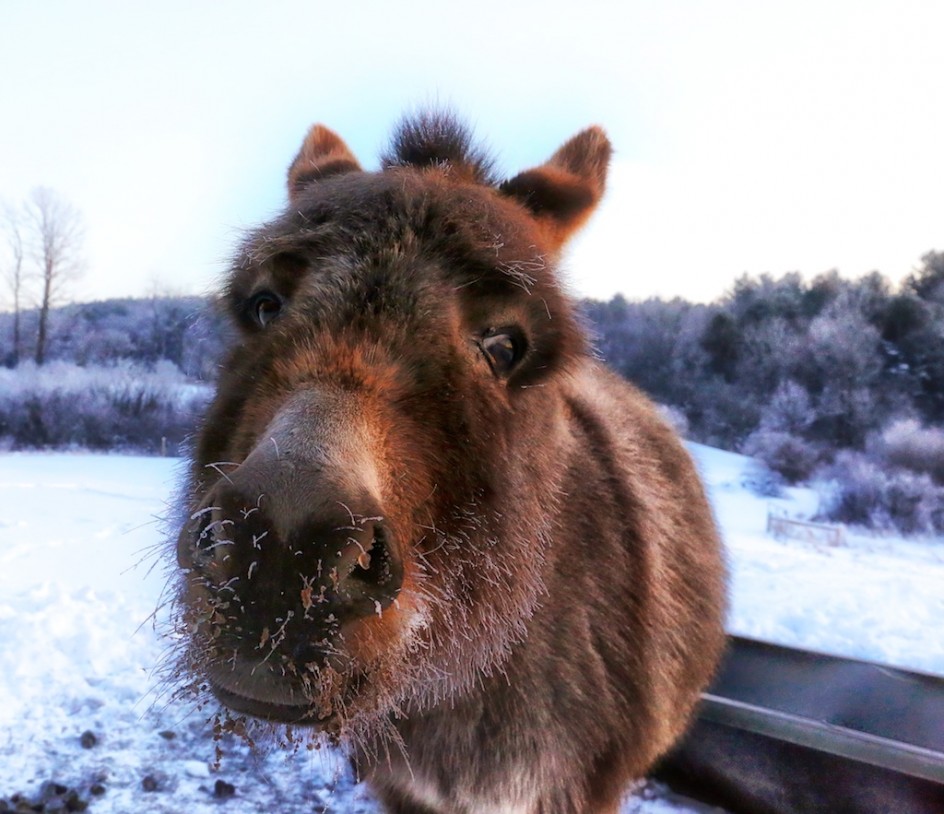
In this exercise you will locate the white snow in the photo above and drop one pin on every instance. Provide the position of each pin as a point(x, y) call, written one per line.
point(79, 535)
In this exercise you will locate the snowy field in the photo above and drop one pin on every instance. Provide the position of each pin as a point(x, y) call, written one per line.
point(80, 707)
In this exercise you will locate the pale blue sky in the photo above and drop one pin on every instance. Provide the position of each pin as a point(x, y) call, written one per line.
point(750, 136)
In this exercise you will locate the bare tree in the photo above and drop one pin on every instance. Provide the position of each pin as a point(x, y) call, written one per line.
point(12, 225)
point(56, 227)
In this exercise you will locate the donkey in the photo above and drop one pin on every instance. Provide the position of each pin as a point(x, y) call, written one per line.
point(424, 519)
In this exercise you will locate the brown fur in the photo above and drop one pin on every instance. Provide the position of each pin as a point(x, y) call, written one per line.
point(546, 593)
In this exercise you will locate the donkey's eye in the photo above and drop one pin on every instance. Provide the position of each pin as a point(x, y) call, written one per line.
point(264, 307)
point(503, 349)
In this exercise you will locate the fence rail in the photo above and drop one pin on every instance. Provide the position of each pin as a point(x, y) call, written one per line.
point(780, 527)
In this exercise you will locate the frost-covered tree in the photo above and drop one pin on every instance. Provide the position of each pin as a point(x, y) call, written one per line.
point(14, 274)
point(56, 234)
point(841, 368)
point(928, 280)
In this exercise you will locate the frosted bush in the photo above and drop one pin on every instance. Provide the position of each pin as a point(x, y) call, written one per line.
point(786, 454)
point(124, 406)
point(865, 492)
point(906, 444)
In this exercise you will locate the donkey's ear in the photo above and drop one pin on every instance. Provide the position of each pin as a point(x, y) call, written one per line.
point(323, 153)
point(562, 193)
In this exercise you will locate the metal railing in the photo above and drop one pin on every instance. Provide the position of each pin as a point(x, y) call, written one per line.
point(792, 731)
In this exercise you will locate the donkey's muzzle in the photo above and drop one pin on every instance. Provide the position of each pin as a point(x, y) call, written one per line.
point(341, 565)
point(290, 547)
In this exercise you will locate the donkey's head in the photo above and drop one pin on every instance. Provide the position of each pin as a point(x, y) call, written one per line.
point(372, 485)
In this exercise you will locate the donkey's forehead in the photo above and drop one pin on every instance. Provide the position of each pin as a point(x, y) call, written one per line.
point(469, 230)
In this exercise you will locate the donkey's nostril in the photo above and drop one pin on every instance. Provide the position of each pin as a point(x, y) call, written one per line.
point(224, 535)
point(377, 574)
point(213, 531)
point(371, 562)
point(203, 541)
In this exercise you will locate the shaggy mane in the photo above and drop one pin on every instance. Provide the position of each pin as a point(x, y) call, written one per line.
point(438, 138)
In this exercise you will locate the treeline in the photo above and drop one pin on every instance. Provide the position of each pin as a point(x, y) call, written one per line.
point(185, 331)
point(838, 381)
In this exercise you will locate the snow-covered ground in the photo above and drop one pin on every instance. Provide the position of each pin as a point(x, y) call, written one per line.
point(79, 705)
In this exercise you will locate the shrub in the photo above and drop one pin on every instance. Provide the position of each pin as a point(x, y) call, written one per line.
point(865, 492)
point(124, 407)
point(906, 444)
point(786, 454)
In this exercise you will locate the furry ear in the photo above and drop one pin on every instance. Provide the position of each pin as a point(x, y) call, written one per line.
point(563, 192)
point(323, 153)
